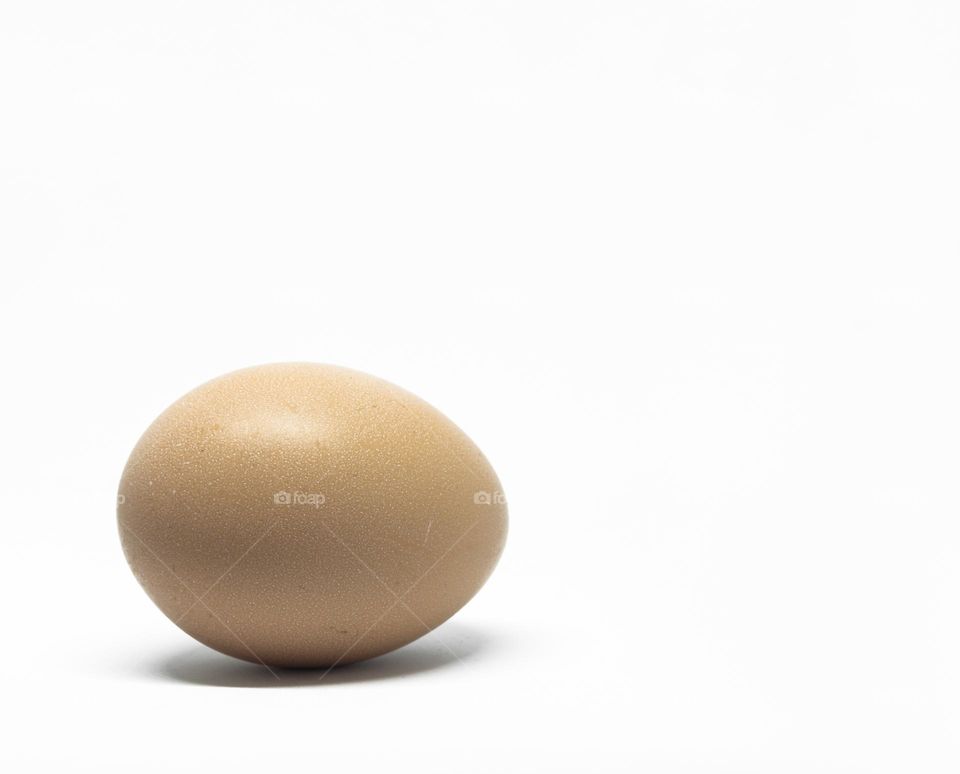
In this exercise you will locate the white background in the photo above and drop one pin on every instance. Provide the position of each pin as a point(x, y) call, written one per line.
point(685, 271)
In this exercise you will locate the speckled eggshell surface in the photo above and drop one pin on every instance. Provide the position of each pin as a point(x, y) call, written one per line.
point(308, 515)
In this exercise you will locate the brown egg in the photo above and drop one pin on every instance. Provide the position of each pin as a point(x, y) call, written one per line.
point(307, 515)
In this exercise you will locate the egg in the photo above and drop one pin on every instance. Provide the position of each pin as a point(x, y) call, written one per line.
point(306, 515)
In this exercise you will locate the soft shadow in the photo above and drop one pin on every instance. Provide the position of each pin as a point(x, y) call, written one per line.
point(453, 644)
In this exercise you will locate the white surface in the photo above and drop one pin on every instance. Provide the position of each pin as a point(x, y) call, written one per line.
point(683, 270)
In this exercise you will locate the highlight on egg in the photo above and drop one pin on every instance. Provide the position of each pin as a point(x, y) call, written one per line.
point(306, 515)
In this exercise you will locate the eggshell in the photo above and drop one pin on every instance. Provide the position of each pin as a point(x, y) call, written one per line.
point(308, 515)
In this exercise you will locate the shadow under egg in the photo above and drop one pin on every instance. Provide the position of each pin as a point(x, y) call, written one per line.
point(448, 646)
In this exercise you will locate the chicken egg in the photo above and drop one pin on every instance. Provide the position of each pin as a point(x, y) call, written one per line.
point(305, 515)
